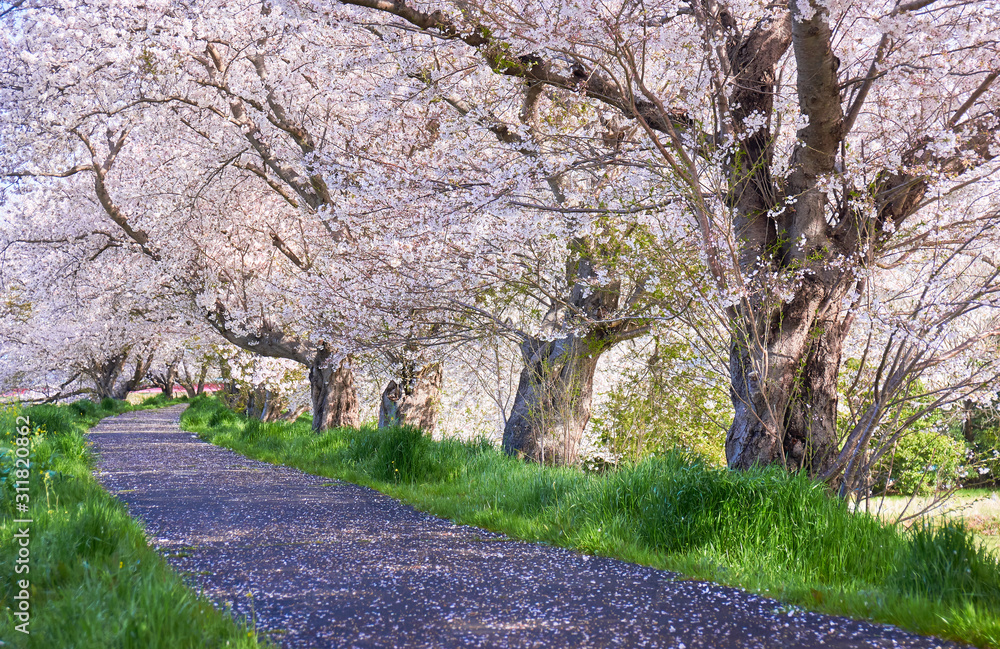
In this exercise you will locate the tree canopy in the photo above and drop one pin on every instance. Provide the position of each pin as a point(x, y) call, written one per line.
point(804, 195)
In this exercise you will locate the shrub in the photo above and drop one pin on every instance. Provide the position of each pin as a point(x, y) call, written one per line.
point(662, 406)
point(986, 455)
point(922, 462)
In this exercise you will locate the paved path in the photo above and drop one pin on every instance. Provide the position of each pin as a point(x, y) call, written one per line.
point(331, 564)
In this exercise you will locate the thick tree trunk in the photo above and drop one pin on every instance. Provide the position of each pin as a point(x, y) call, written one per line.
point(552, 404)
point(105, 375)
point(193, 386)
point(166, 380)
point(168, 388)
point(264, 405)
point(784, 380)
point(122, 388)
point(334, 397)
point(785, 356)
point(415, 400)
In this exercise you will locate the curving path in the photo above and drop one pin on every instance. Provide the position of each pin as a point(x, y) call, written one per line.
point(320, 563)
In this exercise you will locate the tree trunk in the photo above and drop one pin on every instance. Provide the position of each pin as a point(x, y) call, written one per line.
point(168, 388)
point(415, 400)
point(193, 386)
point(105, 375)
point(554, 394)
point(334, 397)
point(784, 380)
point(166, 380)
point(968, 422)
point(785, 356)
point(142, 366)
point(264, 405)
point(293, 415)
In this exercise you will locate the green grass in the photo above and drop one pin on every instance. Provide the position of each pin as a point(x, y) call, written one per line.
point(94, 582)
point(977, 509)
point(762, 530)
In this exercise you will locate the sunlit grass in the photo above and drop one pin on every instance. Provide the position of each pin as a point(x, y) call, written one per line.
point(762, 530)
point(977, 509)
point(94, 581)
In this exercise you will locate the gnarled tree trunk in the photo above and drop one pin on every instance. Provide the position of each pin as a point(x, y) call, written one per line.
point(554, 395)
point(166, 380)
point(413, 401)
point(265, 405)
point(105, 375)
point(334, 397)
point(122, 388)
point(194, 386)
point(784, 380)
point(107, 379)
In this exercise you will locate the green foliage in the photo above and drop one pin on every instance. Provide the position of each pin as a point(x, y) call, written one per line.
point(402, 455)
point(924, 461)
point(221, 416)
point(983, 431)
point(663, 407)
point(110, 405)
point(83, 408)
point(763, 530)
point(763, 517)
point(929, 454)
point(987, 452)
point(160, 400)
point(94, 581)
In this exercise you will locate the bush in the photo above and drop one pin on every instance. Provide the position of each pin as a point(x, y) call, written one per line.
point(663, 406)
point(922, 463)
point(986, 455)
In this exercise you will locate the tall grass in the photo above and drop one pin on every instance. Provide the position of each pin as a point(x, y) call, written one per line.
point(763, 530)
point(94, 581)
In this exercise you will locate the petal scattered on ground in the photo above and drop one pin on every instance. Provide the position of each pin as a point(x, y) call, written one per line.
point(321, 563)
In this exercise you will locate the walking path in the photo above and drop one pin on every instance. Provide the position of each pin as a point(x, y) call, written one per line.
point(323, 563)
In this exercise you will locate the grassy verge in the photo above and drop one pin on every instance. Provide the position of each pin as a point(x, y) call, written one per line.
point(94, 583)
point(762, 530)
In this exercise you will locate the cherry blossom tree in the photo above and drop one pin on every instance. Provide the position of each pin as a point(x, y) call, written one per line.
point(809, 182)
point(781, 128)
